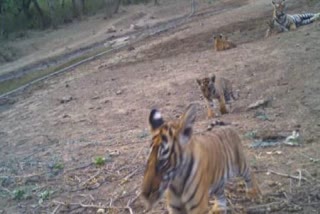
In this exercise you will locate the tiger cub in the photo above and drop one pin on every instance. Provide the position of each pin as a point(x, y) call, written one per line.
point(288, 22)
point(216, 88)
point(221, 43)
point(191, 168)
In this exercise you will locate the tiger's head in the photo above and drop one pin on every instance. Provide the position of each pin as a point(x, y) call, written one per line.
point(207, 86)
point(168, 141)
point(279, 6)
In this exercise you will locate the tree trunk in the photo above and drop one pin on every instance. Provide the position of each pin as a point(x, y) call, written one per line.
point(78, 8)
point(109, 8)
point(25, 8)
point(53, 18)
point(36, 5)
point(193, 7)
point(116, 9)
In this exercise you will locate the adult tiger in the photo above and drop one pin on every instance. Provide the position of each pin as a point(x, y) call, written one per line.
point(286, 21)
point(192, 167)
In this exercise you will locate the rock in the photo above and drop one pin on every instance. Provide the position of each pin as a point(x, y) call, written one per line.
point(134, 27)
point(66, 99)
point(119, 92)
point(112, 29)
point(130, 48)
point(95, 97)
point(100, 211)
point(65, 116)
point(259, 103)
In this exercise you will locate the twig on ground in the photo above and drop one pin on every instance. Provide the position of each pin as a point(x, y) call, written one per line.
point(56, 209)
point(126, 179)
point(288, 176)
point(310, 176)
point(92, 206)
point(78, 167)
point(131, 201)
point(92, 177)
point(5, 190)
point(300, 176)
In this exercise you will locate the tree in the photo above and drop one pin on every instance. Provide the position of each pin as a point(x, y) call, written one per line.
point(112, 6)
point(78, 8)
point(52, 11)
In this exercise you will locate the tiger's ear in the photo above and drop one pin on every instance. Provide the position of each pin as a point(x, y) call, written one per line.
point(186, 124)
point(213, 77)
point(199, 81)
point(155, 119)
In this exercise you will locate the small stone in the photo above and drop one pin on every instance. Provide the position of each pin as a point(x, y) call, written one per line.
point(66, 99)
point(130, 48)
point(65, 116)
point(112, 29)
point(119, 92)
point(95, 97)
point(100, 211)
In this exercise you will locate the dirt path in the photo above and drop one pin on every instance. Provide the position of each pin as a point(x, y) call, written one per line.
point(38, 46)
point(52, 134)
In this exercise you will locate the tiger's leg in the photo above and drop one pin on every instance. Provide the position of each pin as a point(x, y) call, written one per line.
point(223, 108)
point(210, 105)
point(220, 205)
point(292, 26)
point(253, 190)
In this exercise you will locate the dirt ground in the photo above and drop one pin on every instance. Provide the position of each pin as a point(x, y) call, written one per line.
point(53, 133)
point(34, 46)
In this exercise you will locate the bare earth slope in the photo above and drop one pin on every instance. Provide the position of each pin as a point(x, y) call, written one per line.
point(49, 141)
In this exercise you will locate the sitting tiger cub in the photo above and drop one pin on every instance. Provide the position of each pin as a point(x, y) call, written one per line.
point(216, 88)
point(221, 43)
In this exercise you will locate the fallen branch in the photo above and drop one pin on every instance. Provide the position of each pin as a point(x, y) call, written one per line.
point(126, 179)
point(97, 206)
point(299, 178)
point(92, 177)
point(56, 209)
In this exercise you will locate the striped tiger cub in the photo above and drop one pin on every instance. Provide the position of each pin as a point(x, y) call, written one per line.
point(192, 168)
point(289, 22)
point(221, 43)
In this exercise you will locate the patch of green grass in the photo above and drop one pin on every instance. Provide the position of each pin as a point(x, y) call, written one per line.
point(58, 166)
point(99, 161)
point(45, 195)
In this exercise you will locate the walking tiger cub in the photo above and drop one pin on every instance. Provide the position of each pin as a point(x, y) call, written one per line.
point(216, 88)
point(193, 168)
point(288, 22)
point(221, 43)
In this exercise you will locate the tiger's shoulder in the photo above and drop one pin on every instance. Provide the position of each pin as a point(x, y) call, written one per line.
point(221, 43)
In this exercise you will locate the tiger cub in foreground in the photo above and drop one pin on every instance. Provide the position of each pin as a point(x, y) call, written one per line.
point(216, 88)
point(193, 168)
point(286, 22)
point(221, 43)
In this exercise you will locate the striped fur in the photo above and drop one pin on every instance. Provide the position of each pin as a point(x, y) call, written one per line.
point(289, 22)
point(216, 88)
point(192, 168)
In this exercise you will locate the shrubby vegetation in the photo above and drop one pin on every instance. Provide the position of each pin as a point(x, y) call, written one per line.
point(20, 15)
